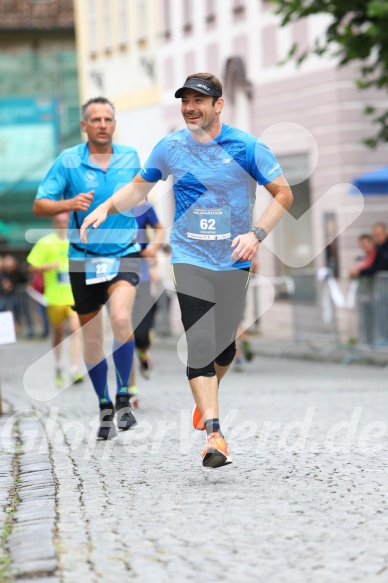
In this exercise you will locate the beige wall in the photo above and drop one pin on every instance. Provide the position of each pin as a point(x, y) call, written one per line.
point(122, 66)
point(124, 63)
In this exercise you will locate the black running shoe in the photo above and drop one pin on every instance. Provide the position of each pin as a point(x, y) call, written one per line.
point(145, 368)
point(145, 364)
point(125, 417)
point(107, 428)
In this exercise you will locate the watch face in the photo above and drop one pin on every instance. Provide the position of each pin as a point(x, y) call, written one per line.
point(259, 233)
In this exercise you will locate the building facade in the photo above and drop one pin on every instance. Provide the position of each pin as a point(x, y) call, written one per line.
point(39, 103)
point(311, 116)
point(118, 57)
point(138, 52)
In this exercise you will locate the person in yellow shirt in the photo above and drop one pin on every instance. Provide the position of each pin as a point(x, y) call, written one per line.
point(49, 256)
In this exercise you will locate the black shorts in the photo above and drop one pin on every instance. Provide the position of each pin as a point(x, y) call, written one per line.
point(89, 298)
point(198, 291)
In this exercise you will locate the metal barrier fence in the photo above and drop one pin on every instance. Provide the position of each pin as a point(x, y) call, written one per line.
point(314, 318)
point(29, 315)
point(313, 311)
point(372, 311)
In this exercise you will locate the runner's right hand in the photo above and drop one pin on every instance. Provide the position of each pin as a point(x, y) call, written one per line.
point(82, 201)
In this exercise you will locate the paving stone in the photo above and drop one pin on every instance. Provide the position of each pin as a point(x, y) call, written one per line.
point(30, 567)
point(29, 468)
point(47, 515)
point(35, 492)
point(40, 580)
point(31, 479)
point(33, 556)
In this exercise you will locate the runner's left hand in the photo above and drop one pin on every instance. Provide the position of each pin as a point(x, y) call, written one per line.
point(95, 219)
point(150, 251)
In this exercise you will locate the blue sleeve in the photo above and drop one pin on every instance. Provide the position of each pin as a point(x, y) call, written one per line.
point(54, 184)
point(156, 167)
point(262, 164)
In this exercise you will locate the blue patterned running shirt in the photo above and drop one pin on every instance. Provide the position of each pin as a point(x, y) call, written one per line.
point(214, 190)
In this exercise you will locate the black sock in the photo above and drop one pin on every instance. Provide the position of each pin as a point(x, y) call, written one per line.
point(213, 426)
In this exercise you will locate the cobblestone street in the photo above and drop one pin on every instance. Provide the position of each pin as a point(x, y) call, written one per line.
point(304, 501)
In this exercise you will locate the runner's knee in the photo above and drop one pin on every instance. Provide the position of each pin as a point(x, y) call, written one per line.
point(201, 346)
point(121, 327)
point(227, 355)
point(205, 371)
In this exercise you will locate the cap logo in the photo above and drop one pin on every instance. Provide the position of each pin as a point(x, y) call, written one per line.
point(205, 87)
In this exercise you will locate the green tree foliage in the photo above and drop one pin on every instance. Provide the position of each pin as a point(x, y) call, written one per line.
point(358, 31)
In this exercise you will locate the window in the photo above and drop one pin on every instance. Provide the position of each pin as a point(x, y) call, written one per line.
point(108, 24)
point(142, 20)
point(187, 16)
point(294, 244)
point(123, 25)
point(93, 39)
point(166, 19)
point(330, 230)
point(238, 8)
point(210, 11)
point(267, 5)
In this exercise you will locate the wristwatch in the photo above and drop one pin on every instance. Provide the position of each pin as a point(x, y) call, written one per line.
point(259, 233)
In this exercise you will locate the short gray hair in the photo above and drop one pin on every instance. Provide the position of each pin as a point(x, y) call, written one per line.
point(102, 100)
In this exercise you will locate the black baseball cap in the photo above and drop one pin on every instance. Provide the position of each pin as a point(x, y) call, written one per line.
point(201, 86)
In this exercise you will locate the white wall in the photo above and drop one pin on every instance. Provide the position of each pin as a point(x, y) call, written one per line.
point(142, 128)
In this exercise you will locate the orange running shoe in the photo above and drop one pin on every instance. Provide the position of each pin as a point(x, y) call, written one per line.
point(216, 452)
point(197, 419)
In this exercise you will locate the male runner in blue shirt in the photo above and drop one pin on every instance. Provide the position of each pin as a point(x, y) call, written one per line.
point(216, 169)
point(106, 267)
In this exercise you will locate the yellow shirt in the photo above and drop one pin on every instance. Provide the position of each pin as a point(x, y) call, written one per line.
point(52, 249)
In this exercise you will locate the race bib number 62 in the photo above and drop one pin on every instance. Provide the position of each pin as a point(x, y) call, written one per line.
point(208, 224)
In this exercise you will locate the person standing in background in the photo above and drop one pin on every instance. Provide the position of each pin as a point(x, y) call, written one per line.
point(380, 260)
